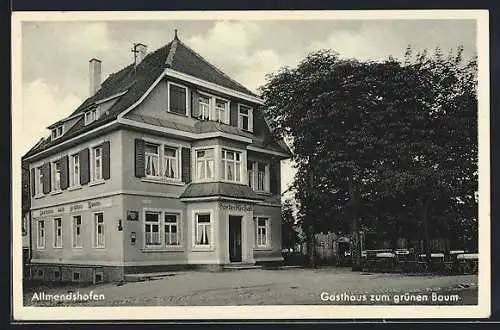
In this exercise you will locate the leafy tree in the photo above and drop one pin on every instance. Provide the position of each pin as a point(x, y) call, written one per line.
point(378, 144)
point(288, 232)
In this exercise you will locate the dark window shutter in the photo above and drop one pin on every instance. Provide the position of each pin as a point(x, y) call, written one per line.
point(84, 166)
point(233, 114)
point(274, 172)
point(32, 182)
point(140, 158)
point(186, 165)
point(46, 178)
point(64, 172)
point(195, 104)
point(178, 100)
point(106, 172)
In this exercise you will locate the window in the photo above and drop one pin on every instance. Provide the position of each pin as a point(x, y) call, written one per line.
point(77, 232)
point(213, 108)
point(57, 132)
point(56, 176)
point(203, 227)
point(58, 233)
point(177, 99)
point(76, 276)
point(261, 232)
point(75, 171)
point(98, 277)
point(262, 177)
point(154, 221)
point(170, 163)
point(205, 164)
point(97, 168)
point(245, 118)
point(221, 111)
point(91, 116)
point(171, 229)
point(152, 228)
point(204, 107)
point(250, 172)
point(39, 181)
point(57, 275)
point(231, 165)
point(40, 237)
point(152, 160)
point(98, 230)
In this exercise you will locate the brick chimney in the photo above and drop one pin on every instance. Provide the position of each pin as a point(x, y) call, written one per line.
point(142, 51)
point(94, 76)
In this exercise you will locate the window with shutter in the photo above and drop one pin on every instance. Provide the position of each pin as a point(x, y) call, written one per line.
point(140, 156)
point(106, 168)
point(177, 99)
point(84, 166)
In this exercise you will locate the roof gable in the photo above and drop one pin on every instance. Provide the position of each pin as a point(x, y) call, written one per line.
point(131, 83)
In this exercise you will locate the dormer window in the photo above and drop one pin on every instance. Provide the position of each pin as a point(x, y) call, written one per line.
point(57, 132)
point(91, 116)
point(213, 108)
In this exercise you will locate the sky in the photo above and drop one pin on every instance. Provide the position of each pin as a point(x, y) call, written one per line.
point(55, 55)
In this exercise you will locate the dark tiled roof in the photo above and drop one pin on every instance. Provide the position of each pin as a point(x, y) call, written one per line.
point(136, 81)
point(208, 126)
point(223, 189)
point(188, 61)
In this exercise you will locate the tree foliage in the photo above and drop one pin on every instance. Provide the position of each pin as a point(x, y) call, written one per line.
point(387, 145)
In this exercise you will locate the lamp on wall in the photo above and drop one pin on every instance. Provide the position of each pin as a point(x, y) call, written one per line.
point(120, 227)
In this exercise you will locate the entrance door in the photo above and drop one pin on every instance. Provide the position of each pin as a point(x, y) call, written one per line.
point(235, 238)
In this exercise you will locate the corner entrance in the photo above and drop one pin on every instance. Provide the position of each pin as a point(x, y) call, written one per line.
point(235, 238)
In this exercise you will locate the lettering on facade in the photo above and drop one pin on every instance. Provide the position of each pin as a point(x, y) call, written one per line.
point(235, 206)
point(72, 208)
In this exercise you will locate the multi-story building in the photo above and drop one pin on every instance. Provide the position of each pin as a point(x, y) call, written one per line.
point(168, 163)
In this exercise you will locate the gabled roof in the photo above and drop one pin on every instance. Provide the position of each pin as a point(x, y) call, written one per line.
point(135, 81)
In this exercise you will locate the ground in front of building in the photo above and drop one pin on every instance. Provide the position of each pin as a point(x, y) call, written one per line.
point(328, 285)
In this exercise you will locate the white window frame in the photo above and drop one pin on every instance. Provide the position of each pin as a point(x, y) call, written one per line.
point(249, 116)
point(267, 228)
point(58, 240)
point(40, 237)
point(57, 132)
point(95, 231)
point(56, 186)
point(204, 247)
point(212, 107)
point(74, 179)
point(74, 244)
point(205, 160)
point(161, 160)
point(177, 224)
point(224, 161)
point(205, 110)
point(161, 230)
point(152, 246)
point(188, 110)
point(94, 168)
point(267, 178)
point(91, 116)
point(151, 161)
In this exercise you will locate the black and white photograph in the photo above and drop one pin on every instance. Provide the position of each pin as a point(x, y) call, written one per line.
point(254, 165)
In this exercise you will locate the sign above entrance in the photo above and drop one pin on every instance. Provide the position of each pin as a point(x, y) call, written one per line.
point(235, 206)
point(70, 208)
